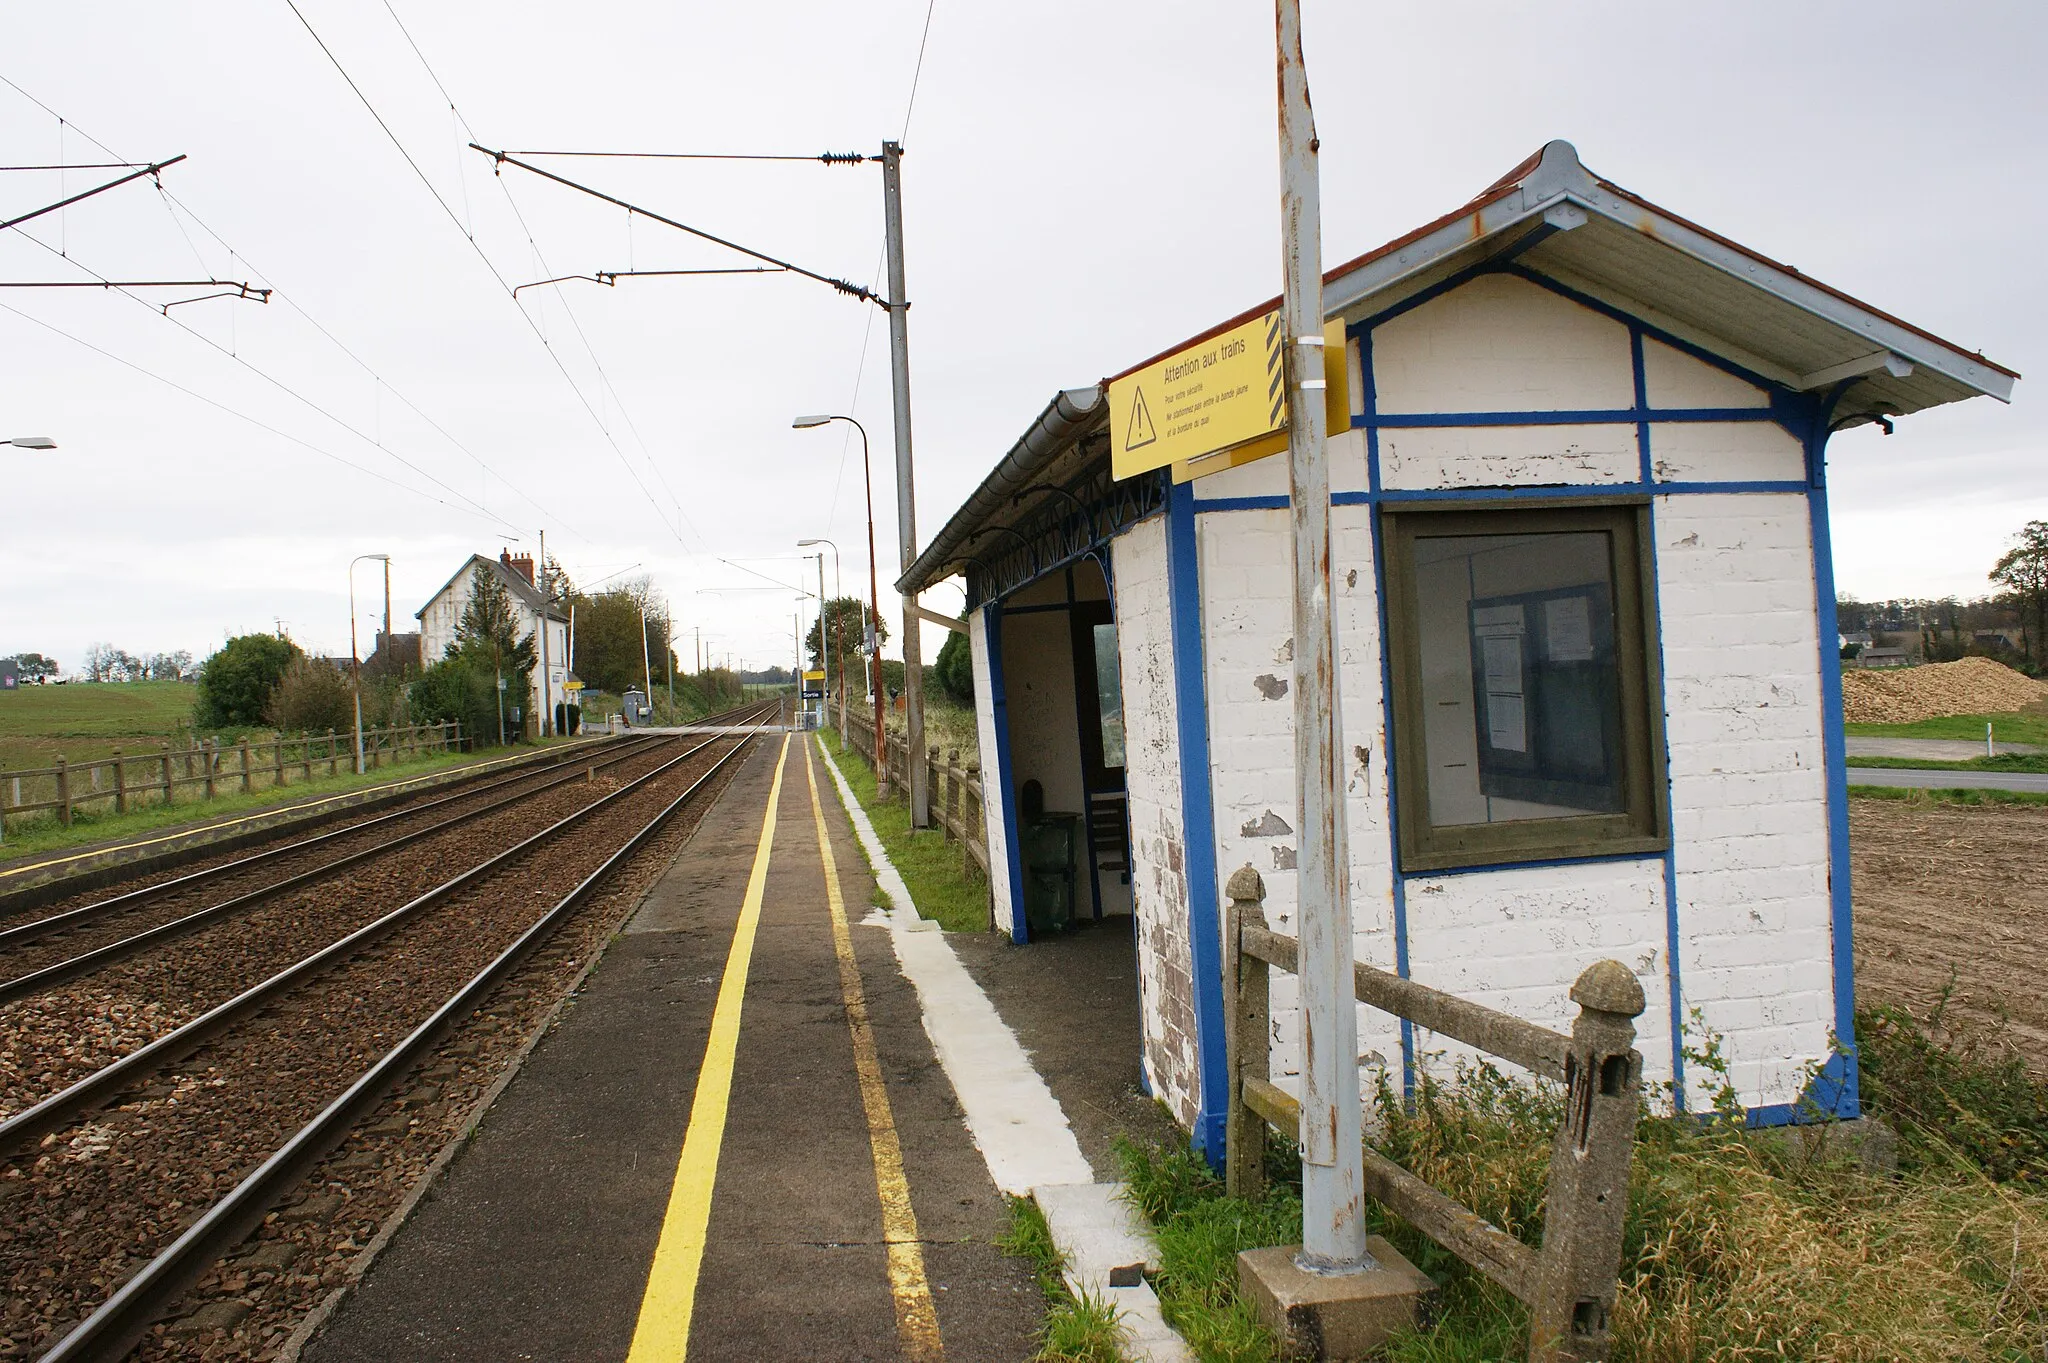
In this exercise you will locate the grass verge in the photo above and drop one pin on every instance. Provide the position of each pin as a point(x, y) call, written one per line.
point(1737, 1246)
point(30, 834)
point(1076, 1329)
point(2015, 726)
point(1948, 795)
point(2005, 761)
point(929, 863)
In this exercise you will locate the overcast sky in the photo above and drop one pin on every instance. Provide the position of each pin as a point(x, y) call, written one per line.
point(1085, 184)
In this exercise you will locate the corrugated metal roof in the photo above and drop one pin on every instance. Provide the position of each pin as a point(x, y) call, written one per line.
point(1621, 249)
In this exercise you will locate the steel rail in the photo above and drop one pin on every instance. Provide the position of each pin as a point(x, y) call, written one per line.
point(96, 1089)
point(471, 787)
point(115, 1326)
point(50, 976)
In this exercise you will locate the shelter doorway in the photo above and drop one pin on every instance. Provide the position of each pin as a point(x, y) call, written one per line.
point(1071, 833)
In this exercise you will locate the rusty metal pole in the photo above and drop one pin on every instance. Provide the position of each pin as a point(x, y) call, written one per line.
point(1333, 1213)
point(916, 786)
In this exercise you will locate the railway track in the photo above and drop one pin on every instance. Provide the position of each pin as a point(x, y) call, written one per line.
point(130, 1182)
point(79, 1013)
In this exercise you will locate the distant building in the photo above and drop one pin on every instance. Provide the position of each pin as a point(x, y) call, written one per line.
point(10, 675)
point(397, 654)
point(443, 612)
point(1883, 656)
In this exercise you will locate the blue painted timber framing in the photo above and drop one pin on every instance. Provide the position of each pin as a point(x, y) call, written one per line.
point(999, 709)
point(1836, 1089)
point(1198, 818)
point(1591, 492)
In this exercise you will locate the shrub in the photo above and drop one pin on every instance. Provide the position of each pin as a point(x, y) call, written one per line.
point(955, 669)
point(311, 697)
point(457, 689)
point(235, 684)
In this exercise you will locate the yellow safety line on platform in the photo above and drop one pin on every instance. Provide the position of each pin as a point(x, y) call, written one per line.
point(662, 1334)
point(917, 1319)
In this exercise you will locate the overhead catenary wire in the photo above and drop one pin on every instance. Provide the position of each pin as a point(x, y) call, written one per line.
point(239, 415)
point(174, 207)
point(830, 158)
point(576, 323)
point(489, 264)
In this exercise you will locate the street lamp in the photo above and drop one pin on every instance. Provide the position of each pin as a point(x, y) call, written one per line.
point(32, 442)
point(804, 423)
point(355, 660)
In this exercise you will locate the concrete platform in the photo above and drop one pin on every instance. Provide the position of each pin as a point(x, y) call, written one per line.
point(538, 1241)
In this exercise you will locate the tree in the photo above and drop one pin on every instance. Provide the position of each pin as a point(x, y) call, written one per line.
point(2023, 571)
point(955, 669)
point(33, 666)
point(102, 662)
point(235, 683)
point(844, 619)
point(457, 688)
point(311, 696)
point(167, 666)
point(609, 641)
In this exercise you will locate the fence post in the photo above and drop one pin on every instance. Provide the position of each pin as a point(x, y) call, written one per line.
point(167, 771)
point(277, 743)
point(951, 823)
point(332, 764)
point(967, 866)
point(120, 784)
point(63, 790)
point(210, 759)
point(243, 748)
point(305, 756)
point(1589, 1169)
point(1247, 1035)
point(455, 728)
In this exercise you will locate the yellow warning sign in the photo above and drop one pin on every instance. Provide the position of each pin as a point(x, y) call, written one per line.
point(816, 676)
point(1215, 394)
point(1336, 416)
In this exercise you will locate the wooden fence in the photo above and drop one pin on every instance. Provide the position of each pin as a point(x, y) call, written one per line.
point(1569, 1284)
point(131, 780)
point(955, 790)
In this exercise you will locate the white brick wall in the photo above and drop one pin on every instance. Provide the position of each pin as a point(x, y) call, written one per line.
point(1516, 939)
point(1158, 846)
point(1730, 451)
point(1748, 791)
point(1247, 653)
point(1672, 378)
point(1501, 344)
point(991, 776)
point(1508, 456)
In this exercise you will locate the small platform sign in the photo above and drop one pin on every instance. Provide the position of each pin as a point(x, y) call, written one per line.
point(1214, 394)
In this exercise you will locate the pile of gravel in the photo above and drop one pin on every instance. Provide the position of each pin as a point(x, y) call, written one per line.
point(1906, 695)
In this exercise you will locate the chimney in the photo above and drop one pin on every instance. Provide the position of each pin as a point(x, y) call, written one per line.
point(521, 564)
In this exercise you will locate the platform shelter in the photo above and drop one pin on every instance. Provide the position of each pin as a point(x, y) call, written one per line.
point(1591, 694)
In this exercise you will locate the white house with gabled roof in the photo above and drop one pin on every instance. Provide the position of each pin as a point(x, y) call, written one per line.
point(443, 612)
point(1590, 685)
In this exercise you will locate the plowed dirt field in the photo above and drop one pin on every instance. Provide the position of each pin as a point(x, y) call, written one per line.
point(1946, 892)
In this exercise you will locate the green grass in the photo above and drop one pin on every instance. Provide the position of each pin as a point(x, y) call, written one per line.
point(930, 865)
point(32, 833)
point(2012, 761)
point(1076, 1329)
point(1951, 795)
point(2020, 726)
point(86, 720)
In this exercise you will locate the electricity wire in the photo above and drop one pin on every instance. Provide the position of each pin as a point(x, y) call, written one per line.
point(241, 415)
point(174, 207)
point(575, 322)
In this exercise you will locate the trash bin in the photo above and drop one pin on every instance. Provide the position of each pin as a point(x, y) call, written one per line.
point(1050, 843)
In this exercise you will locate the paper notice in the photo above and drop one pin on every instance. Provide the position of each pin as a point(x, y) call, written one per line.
point(1490, 620)
point(1507, 724)
point(1568, 629)
point(1502, 654)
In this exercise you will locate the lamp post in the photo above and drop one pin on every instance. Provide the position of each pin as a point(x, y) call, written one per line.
point(31, 442)
point(874, 592)
point(356, 661)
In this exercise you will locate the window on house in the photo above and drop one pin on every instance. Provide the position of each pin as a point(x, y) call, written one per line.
point(1523, 685)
